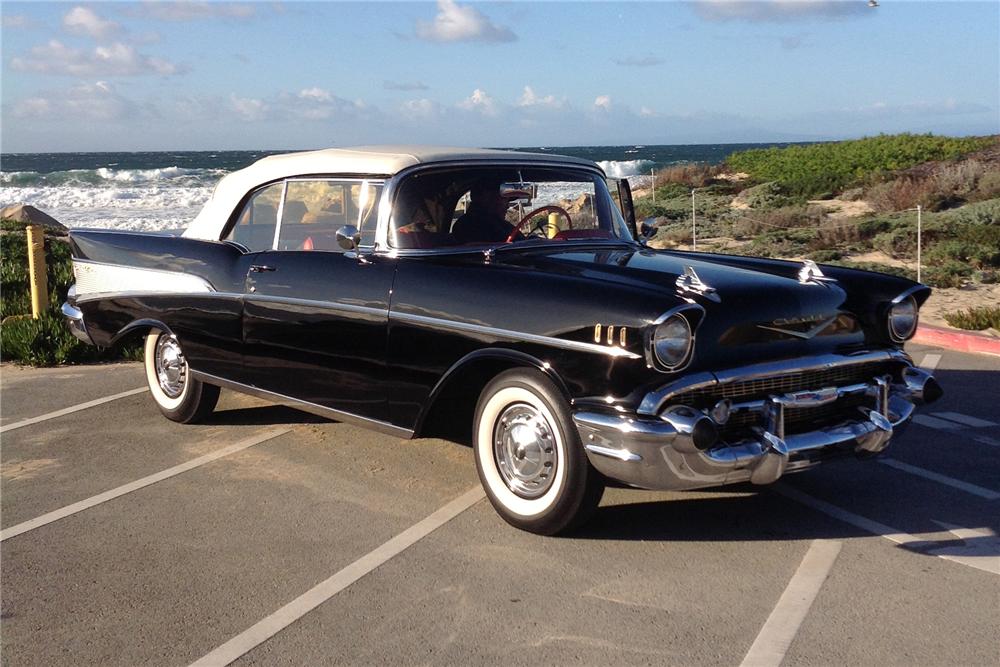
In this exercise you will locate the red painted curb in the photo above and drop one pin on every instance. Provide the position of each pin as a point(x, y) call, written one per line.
point(963, 341)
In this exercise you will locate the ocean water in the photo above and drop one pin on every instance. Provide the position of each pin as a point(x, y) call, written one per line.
point(153, 191)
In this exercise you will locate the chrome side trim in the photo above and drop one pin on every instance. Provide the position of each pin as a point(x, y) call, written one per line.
point(465, 327)
point(98, 277)
point(130, 294)
point(305, 406)
point(654, 400)
point(327, 305)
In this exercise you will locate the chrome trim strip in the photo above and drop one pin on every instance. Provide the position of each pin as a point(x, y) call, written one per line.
point(619, 454)
point(913, 290)
point(88, 273)
point(328, 305)
point(465, 327)
point(305, 406)
point(280, 213)
point(129, 294)
point(653, 401)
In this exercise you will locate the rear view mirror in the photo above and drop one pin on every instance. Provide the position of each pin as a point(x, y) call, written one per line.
point(519, 190)
point(647, 230)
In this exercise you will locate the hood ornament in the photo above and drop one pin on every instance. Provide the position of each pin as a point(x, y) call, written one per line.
point(810, 274)
point(691, 283)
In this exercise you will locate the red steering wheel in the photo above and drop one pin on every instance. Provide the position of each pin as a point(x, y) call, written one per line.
point(532, 214)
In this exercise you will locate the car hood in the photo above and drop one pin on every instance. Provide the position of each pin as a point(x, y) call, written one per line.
point(751, 308)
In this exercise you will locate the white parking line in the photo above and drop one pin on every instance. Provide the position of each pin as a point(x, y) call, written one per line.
point(71, 409)
point(774, 639)
point(980, 554)
point(69, 510)
point(930, 362)
point(268, 627)
point(934, 422)
point(980, 491)
point(974, 422)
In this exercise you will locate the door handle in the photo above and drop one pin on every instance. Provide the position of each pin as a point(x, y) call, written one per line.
point(260, 268)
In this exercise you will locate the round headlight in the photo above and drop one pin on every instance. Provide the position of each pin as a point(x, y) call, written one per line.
point(672, 341)
point(903, 319)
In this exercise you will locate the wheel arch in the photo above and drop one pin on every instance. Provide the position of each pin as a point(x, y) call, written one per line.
point(137, 329)
point(458, 390)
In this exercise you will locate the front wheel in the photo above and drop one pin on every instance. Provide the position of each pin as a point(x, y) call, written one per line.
point(529, 456)
point(179, 396)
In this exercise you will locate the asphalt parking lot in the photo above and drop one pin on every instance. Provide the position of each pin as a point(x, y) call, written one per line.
point(269, 537)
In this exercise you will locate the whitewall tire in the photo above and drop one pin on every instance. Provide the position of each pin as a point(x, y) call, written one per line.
point(529, 457)
point(180, 397)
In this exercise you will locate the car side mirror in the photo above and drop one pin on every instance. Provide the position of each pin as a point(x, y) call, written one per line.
point(348, 237)
point(647, 230)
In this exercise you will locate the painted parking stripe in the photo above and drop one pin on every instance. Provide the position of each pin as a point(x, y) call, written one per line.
point(774, 639)
point(980, 554)
point(974, 422)
point(980, 491)
point(71, 409)
point(75, 508)
point(934, 422)
point(930, 362)
point(268, 627)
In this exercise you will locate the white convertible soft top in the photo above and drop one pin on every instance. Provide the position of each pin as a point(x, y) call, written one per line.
point(361, 160)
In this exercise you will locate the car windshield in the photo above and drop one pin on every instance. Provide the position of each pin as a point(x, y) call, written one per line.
point(496, 205)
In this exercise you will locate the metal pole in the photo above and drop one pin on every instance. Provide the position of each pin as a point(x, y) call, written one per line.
point(919, 241)
point(652, 179)
point(36, 270)
point(694, 224)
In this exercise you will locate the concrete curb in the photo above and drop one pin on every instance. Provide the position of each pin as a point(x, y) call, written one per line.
point(954, 339)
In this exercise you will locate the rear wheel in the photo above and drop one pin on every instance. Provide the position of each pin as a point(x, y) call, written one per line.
point(180, 397)
point(529, 456)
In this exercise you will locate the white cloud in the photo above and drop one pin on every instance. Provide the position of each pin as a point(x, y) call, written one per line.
point(194, 10)
point(404, 85)
point(603, 103)
point(462, 23)
point(315, 95)
point(84, 21)
point(248, 108)
point(97, 101)
point(639, 61)
point(480, 101)
point(116, 59)
point(646, 112)
point(778, 10)
point(19, 21)
point(530, 99)
point(946, 107)
point(420, 109)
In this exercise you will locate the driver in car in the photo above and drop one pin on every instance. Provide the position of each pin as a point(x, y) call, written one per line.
point(485, 220)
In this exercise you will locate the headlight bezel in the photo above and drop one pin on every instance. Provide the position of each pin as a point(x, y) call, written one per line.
point(906, 299)
point(687, 315)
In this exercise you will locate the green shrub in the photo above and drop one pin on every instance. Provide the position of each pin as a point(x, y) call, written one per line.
point(765, 196)
point(814, 169)
point(975, 319)
point(47, 340)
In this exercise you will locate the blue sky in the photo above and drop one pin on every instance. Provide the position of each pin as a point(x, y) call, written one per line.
point(199, 75)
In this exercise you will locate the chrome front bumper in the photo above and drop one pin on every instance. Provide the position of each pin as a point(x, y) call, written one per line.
point(74, 320)
point(680, 447)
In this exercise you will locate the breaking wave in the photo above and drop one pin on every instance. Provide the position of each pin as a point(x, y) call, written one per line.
point(625, 168)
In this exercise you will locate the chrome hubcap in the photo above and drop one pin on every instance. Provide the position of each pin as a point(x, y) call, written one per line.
point(171, 369)
point(525, 450)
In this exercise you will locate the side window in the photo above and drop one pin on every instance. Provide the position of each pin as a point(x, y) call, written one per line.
point(315, 209)
point(368, 198)
point(255, 226)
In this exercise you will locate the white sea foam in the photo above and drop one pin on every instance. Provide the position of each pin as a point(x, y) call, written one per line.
point(625, 168)
point(136, 199)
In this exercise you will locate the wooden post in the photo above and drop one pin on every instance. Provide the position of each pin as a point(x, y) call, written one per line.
point(36, 270)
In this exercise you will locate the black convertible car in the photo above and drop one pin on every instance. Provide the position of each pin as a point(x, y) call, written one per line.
point(508, 295)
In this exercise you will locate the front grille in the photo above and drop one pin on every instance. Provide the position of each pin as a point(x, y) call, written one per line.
point(797, 420)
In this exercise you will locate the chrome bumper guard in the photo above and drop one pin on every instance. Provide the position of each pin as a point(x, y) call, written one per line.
point(681, 448)
point(74, 320)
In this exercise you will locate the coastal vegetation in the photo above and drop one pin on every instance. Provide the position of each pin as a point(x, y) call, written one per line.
point(45, 341)
point(851, 203)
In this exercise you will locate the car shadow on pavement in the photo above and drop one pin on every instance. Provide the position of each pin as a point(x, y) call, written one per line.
point(266, 415)
point(767, 516)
